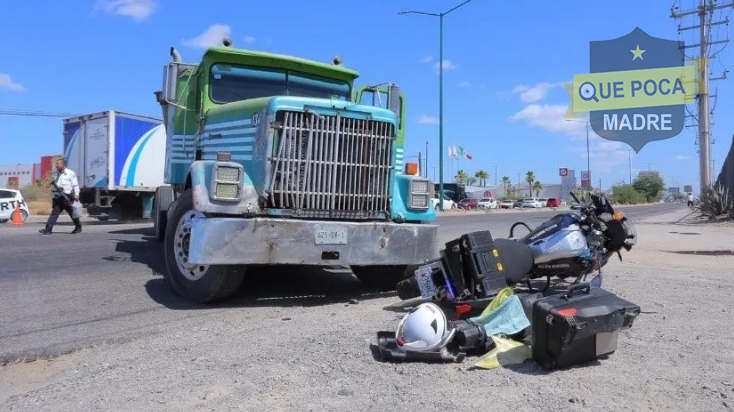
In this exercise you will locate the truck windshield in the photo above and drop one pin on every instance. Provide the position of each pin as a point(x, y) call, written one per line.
point(231, 83)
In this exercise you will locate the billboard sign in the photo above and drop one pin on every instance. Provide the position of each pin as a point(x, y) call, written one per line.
point(585, 179)
point(688, 188)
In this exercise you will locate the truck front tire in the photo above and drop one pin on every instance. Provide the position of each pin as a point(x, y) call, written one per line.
point(195, 283)
point(382, 277)
point(161, 202)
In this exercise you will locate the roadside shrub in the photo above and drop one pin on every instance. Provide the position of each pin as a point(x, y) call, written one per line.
point(627, 195)
point(714, 202)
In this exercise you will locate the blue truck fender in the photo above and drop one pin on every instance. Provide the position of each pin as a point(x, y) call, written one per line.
point(201, 174)
point(401, 195)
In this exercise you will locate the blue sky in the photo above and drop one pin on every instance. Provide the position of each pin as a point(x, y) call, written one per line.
point(505, 64)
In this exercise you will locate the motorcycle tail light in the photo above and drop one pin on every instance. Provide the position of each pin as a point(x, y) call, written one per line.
point(618, 216)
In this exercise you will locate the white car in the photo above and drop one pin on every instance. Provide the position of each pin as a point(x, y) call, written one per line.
point(487, 203)
point(507, 204)
point(9, 199)
point(447, 203)
point(531, 202)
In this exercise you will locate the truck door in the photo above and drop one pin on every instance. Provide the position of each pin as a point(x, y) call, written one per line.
point(86, 141)
point(388, 97)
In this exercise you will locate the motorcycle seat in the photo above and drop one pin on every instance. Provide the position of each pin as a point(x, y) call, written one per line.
point(517, 259)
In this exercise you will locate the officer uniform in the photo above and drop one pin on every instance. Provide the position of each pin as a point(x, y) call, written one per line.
point(65, 191)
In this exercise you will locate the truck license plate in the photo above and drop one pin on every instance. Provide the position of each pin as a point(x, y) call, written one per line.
point(330, 235)
point(425, 282)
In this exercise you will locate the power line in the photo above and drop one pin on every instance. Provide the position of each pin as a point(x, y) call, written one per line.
point(34, 113)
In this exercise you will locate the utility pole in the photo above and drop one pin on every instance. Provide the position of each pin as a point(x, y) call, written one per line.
point(420, 164)
point(495, 175)
point(629, 159)
point(705, 42)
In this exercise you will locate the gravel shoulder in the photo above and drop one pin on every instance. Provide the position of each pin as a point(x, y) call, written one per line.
point(313, 353)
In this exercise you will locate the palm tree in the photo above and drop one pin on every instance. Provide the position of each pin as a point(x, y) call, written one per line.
point(471, 180)
point(505, 182)
point(537, 186)
point(530, 178)
point(482, 175)
point(461, 176)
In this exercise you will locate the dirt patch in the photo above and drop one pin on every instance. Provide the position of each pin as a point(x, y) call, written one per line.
point(22, 377)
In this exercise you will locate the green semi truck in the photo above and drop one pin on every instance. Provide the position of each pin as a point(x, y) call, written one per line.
point(277, 160)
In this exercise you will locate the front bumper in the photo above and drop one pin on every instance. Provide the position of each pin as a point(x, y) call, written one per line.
point(238, 241)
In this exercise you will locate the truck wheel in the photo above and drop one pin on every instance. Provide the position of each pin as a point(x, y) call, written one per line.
point(381, 277)
point(161, 202)
point(196, 283)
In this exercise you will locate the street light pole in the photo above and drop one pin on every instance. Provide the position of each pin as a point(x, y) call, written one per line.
point(629, 160)
point(588, 158)
point(440, 90)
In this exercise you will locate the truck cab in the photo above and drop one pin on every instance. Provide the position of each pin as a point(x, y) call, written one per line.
point(278, 160)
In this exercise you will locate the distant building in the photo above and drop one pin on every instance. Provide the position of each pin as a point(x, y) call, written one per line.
point(17, 176)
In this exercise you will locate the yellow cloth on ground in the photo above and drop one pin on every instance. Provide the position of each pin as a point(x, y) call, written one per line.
point(505, 352)
point(501, 296)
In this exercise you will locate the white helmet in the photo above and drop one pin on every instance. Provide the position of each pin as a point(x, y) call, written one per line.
point(424, 329)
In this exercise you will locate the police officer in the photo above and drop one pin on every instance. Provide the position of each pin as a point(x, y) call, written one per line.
point(65, 192)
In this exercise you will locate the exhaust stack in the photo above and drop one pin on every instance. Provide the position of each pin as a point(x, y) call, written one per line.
point(175, 55)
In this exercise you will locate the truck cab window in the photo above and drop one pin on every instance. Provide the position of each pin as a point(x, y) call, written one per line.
point(230, 83)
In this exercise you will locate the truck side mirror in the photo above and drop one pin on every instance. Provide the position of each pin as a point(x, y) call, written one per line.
point(393, 99)
point(170, 76)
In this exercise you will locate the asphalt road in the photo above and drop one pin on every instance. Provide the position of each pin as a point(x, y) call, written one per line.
point(63, 292)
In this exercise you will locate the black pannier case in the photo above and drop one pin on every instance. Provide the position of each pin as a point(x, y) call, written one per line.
point(474, 259)
point(579, 326)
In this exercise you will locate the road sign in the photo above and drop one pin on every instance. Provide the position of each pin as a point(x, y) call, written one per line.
point(688, 188)
point(674, 190)
point(563, 172)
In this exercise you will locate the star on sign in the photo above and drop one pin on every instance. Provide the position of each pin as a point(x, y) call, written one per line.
point(637, 53)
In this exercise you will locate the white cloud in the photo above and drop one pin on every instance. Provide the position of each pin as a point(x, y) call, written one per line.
point(605, 156)
point(464, 84)
point(249, 39)
point(532, 94)
point(681, 157)
point(7, 83)
point(426, 60)
point(426, 119)
point(447, 65)
point(210, 37)
point(550, 117)
point(137, 10)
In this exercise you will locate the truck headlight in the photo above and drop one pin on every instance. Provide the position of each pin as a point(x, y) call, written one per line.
point(419, 197)
point(227, 182)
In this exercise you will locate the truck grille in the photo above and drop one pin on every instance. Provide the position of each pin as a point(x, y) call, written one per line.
point(331, 166)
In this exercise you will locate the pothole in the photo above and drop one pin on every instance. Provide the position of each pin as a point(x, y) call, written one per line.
point(704, 252)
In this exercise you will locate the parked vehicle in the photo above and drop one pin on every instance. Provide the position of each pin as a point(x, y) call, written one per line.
point(277, 160)
point(543, 201)
point(117, 160)
point(9, 200)
point(447, 203)
point(531, 202)
point(468, 203)
point(507, 204)
point(553, 202)
point(517, 203)
point(487, 203)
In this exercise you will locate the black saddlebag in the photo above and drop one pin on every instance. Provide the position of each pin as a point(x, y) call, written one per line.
point(579, 326)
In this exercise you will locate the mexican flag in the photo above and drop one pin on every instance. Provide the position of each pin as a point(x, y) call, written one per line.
point(463, 153)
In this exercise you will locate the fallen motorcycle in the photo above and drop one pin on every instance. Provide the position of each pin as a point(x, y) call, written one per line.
point(569, 245)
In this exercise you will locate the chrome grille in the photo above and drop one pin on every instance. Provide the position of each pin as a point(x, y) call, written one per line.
point(331, 163)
